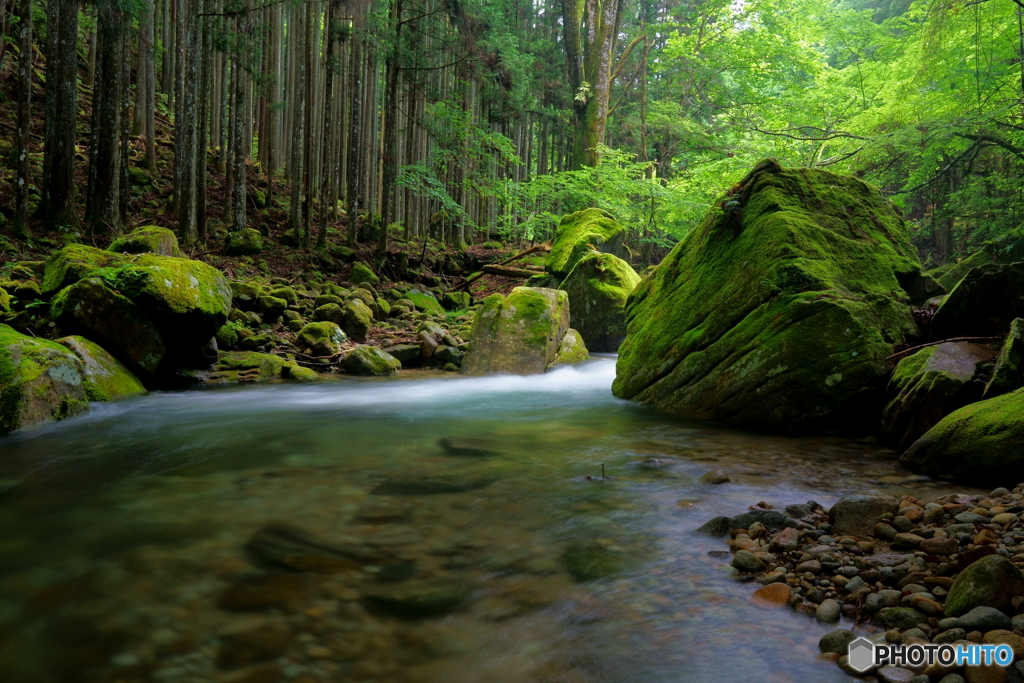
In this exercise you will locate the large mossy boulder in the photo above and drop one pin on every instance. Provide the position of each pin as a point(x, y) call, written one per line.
point(928, 385)
point(519, 334)
point(40, 381)
point(1008, 373)
point(105, 378)
point(580, 233)
point(148, 239)
point(370, 361)
point(778, 311)
point(598, 286)
point(244, 242)
point(94, 310)
point(358, 320)
point(977, 444)
point(322, 339)
point(74, 262)
point(240, 367)
point(984, 303)
point(992, 581)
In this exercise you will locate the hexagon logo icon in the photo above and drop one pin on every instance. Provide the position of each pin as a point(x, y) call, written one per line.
point(862, 654)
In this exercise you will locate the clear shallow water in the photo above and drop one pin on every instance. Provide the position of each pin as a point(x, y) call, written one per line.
point(122, 530)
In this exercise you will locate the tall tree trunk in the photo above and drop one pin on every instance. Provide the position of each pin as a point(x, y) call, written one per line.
point(390, 171)
point(297, 32)
point(57, 204)
point(104, 208)
point(186, 122)
point(25, 59)
point(353, 167)
point(146, 86)
point(203, 142)
point(334, 28)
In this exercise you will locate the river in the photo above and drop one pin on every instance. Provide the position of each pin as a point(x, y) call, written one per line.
point(122, 532)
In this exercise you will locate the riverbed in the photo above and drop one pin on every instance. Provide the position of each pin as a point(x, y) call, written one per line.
point(124, 533)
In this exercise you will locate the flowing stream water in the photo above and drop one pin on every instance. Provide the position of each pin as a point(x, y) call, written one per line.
point(123, 536)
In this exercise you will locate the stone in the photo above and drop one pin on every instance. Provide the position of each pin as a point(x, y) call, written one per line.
point(571, 350)
point(426, 484)
point(370, 361)
point(265, 590)
point(773, 595)
point(244, 295)
point(894, 674)
point(1005, 637)
point(417, 599)
point(746, 561)
point(906, 541)
point(1004, 518)
point(518, 334)
point(978, 444)
point(812, 566)
point(828, 612)
point(453, 355)
point(715, 477)
point(40, 381)
point(580, 234)
point(329, 312)
point(902, 618)
point(778, 313)
point(939, 546)
point(271, 307)
point(361, 273)
point(983, 303)
point(924, 604)
point(322, 339)
point(285, 546)
point(992, 581)
point(244, 242)
point(74, 262)
point(407, 354)
point(260, 642)
point(950, 635)
point(928, 385)
point(1008, 372)
point(837, 641)
point(241, 367)
point(598, 286)
point(103, 377)
point(358, 320)
point(151, 239)
point(952, 678)
point(787, 539)
point(856, 514)
point(587, 561)
point(984, 619)
point(423, 301)
point(92, 309)
point(292, 370)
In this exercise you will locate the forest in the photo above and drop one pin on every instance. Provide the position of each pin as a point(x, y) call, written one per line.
point(465, 120)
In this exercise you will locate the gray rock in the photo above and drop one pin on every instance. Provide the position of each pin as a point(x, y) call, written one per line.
point(772, 519)
point(984, 619)
point(746, 561)
point(718, 526)
point(1018, 623)
point(971, 518)
point(948, 623)
point(837, 641)
point(950, 636)
point(952, 678)
point(902, 618)
point(828, 612)
point(429, 598)
point(715, 477)
point(855, 583)
point(894, 674)
point(857, 514)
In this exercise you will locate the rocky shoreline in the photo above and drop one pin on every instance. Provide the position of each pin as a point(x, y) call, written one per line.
point(895, 571)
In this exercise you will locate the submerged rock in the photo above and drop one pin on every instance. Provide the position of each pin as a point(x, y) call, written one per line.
point(429, 598)
point(928, 385)
point(778, 311)
point(442, 482)
point(40, 381)
point(104, 378)
point(977, 444)
point(580, 233)
point(518, 334)
point(984, 303)
point(598, 286)
point(291, 547)
point(148, 239)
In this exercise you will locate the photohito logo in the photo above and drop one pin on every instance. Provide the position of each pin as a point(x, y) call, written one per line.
point(864, 654)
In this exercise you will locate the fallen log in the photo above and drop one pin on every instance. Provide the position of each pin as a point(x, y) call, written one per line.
point(508, 271)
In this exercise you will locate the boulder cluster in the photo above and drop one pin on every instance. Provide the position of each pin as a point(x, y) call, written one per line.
point(895, 571)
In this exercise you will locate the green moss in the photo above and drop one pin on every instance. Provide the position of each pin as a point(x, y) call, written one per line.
point(227, 336)
point(370, 361)
point(286, 293)
point(422, 301)
point(245, 294)
point(40, 381)
point(322, 338)
point(73, 262)
point(148, 239)
point(978, 444)
point(578, 234)
point(519, 333)
point(293, 370)
point(1006, 249)
point(361, 273)
point(244, 242)
point(5, 301)
point(105, 379)
point(358, 320)
point(244, 366)
point(746, 318)
point(598, 287)
point(571, 350)
point(1008, 373)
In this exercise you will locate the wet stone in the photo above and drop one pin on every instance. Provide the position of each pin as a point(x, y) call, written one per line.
point(837, 641)
point(428, 598)
point(427, 484)
point(265, 590)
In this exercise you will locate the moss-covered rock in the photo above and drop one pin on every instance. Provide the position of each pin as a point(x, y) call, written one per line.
point(40, 381)
point(992, 581)
point(329, 312)
point(286, 293)
point(188, 300)
point(1006, 249)
point(270, 307)
point(977, 444)
point(422, 301)
point(382, 309)
point(5, 301)
point(239, 367)
point(227, 337)
point(91, 308)
point(927, 386)
point(571, 350)
point(1008, 373)
point(150, 239)
point(580, 233)
point(244, 242)
point(456, 301)
point(245, 295)
point(984, 303)
point(104, 378)
point(361, 273)
point(778, 311)
point(370, 361)
point(73, 262)
point(518, 334)
point(293, 370)
point(322, 338)
point(358, 320)
point(598, 286)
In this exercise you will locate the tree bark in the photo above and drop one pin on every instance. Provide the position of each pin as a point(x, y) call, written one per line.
point(25, 59)
point(334, 28)
point(297, 32)
point(186, 121)
point(353, 167)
